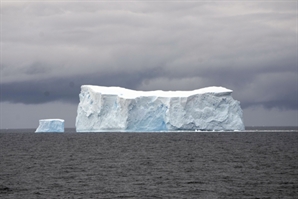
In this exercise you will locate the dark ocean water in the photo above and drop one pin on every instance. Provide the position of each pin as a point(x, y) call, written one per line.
point(261, 164)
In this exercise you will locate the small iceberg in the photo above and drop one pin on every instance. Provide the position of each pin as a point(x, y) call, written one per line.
point(50, 125)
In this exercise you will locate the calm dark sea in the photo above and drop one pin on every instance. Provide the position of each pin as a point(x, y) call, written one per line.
point(250, 164)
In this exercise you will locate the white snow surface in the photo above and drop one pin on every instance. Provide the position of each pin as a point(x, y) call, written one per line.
point(50, 125)
point(131, 94)
point(104, 109)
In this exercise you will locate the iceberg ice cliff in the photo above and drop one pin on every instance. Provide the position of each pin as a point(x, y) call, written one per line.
point(50, 125)
point(118, 109)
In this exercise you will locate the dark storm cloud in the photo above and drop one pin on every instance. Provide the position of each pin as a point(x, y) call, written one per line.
point(271, 95)
point(50, 49)
point(68, 89)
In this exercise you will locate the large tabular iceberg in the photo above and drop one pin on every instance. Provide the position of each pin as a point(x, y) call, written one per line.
point(118, 109)
point(50, 125)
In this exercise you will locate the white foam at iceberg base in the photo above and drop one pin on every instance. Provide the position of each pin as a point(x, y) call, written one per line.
point(50, 125)
point(119, 109)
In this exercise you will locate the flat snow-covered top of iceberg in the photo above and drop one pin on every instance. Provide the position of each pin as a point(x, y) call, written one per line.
point(60, 120)
point(127, 93)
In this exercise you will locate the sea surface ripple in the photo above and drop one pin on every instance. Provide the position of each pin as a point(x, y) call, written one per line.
point(149, 165)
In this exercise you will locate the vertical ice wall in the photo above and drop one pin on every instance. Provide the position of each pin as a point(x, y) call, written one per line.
point(119, 109)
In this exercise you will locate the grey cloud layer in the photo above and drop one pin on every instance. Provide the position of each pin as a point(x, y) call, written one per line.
point(248, 47)
point(68, 89)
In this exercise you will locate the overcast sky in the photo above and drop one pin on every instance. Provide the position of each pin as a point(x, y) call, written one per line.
point(49, 49)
